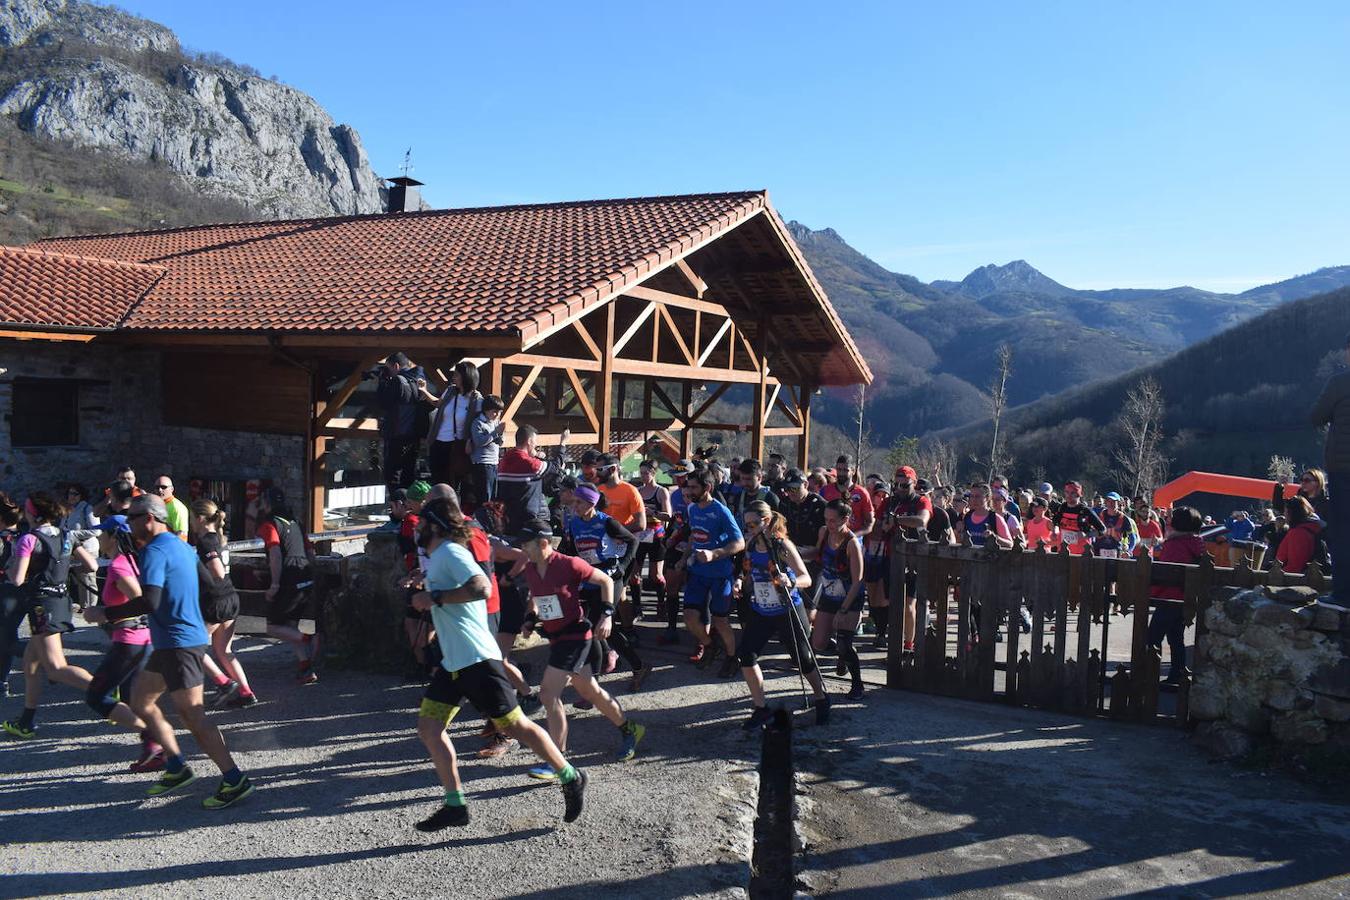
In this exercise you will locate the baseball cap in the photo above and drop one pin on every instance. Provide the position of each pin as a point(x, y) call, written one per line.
point(150, 505)
point(586, 493)
point(794, 478)
point(1002, 494)
point(418, 490)
point(1075, 484)
point(1112, 495)
point(922, 485)
point(1038, 501)
point(1046, 487)
point(607, 461)
point(532, 531)
point(906, 472)
point(683, 467)
point(115, 523)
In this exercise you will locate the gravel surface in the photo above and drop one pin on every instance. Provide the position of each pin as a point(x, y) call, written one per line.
point(930, 797)
point(341, 778)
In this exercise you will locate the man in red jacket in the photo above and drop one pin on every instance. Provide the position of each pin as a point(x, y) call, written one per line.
point(1183, 545)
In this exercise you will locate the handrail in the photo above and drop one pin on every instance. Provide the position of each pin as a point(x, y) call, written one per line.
point(336, 535)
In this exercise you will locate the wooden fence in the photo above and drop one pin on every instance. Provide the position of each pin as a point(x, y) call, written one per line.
point(965, 593)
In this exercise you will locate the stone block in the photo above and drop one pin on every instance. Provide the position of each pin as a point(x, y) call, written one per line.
point(1333, 709)
point(1217, 621)
point(1273, 614)
point(1208, 699)
point(1299, 727)
point(1281, 695)
point(1294, 595)
point(1220, 649)
point(1224, 741)
point(1265, 638)
point(1333, 679)
point(1246, 712)
point(1327, 617)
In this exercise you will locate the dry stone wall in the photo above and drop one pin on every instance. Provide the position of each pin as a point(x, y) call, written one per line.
point(1273, 669)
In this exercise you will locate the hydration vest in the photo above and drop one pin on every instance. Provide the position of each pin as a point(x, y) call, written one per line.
point(54, 549)
point(591, 539)
point(760, 564)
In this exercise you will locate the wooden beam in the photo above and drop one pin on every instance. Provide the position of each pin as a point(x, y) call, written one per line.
point(716, 395)
point(716, 339)
point(698, 284)
point(756, 353)
point(316, 449)
point(804, 440)
point(631, 331)
point(673, 370)
point(331, 407)
point(686, 407)
point(786, 431)
point(579, 326)
point(761, 363)
point(355, 434)
point(676, 300)
point(675, 333)
point(792, 412)
point(580, 393)
point(552, 362)
point(343, 423)
point(496, 377)
point(71, 336)
point(768, 405)
point(698, 331)
point(604, 391)
point(677, 411)
point(521, 393)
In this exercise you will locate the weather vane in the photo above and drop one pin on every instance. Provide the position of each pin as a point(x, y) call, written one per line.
point(407, 166)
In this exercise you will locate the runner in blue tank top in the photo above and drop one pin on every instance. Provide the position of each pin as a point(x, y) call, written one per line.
point(714, 538)
point(774, 573)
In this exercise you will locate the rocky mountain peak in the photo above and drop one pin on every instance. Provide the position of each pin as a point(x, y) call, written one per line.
point(45, 22)
point(1018, 276)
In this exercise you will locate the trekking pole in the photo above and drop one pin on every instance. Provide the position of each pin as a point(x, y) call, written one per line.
point(798, 631)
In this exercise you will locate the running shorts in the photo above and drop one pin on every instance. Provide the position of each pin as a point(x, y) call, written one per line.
point(51, 614)
point(219, 610)
point(180, 667)
point(569, 655)
point(484, 684)
point(115, 675)
point(707, 595)
point(760, 628)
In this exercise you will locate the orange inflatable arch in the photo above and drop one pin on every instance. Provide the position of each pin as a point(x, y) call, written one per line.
point(1211, 483)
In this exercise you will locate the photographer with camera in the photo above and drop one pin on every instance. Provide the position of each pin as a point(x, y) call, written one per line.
point(403, 417)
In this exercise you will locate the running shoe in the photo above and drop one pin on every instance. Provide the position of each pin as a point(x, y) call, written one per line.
point(224, 694)
point(487, 730)
point(611, 660)
point(668, 637)
point(170, 781)
point(823, 710)
point(631, 739)
point(529, 703)
point(151, 760)
point(583, 705)
point(729, 667)
point(840, 667)
point(445, 817)
point(698, 654)
point(243, 701)
point(542, 773)
point(758, 719)
point(856, 692)
point(18, 730)
point(710, 654)
point(500, 745)
point(573, 797)
point(228, 795)
point(306, 675)
point(640, 676)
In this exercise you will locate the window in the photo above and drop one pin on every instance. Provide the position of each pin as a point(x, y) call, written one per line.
point(45, 413)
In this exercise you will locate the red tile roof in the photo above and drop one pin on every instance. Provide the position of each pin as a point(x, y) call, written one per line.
point(56, 290)
point(506, 270)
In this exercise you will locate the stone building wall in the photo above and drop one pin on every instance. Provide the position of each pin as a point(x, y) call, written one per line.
point(121, 422)
point(1273, 670)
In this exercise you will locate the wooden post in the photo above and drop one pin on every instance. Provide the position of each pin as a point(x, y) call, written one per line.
point(804, 439)
point(316, 447)
point(687, 409)
point(495, 376)
point(604, 390)
point(757, 423)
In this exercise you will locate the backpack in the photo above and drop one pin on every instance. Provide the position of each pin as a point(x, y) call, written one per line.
point(50, 577)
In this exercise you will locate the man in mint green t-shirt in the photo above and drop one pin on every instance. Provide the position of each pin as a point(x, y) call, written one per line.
point(456, 589)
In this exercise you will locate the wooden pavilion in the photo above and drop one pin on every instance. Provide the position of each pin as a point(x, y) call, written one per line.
point(608, 318)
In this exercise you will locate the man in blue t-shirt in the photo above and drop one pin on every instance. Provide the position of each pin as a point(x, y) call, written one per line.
point(714, 538)
point(168, 576)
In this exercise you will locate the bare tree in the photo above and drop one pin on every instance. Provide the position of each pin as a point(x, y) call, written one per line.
point(862, 446)
point(1281, 469)
point(998, 402)
point(1140, 458)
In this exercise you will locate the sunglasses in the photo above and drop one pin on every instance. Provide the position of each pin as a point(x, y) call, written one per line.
point(163, 487)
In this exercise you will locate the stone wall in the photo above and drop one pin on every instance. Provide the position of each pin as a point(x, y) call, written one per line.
point(122, 423)
point(1273, 670)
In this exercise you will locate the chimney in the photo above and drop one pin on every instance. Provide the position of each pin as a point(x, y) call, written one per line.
point(404, 195)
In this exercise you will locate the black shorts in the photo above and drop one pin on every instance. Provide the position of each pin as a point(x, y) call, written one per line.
point(180, 667)
point(809, 595)
point(288, 605)
point(220, 609)
point(51, 614)
point(494, 622)
point(672, 557)
point(655, 549)
point(512, 613)
point(759, 628)
point(484, 684)
point(569, 655)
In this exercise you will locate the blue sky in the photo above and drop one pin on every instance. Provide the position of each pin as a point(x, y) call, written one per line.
point(1110, 145)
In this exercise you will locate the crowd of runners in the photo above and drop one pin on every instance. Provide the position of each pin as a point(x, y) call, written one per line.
point(501, 543)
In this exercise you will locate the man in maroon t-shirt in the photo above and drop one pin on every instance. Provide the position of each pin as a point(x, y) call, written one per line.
point(555, 581)
point(908, 511)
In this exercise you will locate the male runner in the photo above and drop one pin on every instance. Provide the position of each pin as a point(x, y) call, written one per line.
point(456, 594)
point(1076, 522)
point(714, 538)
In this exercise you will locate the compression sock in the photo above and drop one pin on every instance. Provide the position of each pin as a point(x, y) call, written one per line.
point(624, 648)
point(672, 611)
point(220, 680)
point(454, 798)
point(567, 774)
point(173, 763)
point(881, 618)
point(26, 720)
point(849, 655)
point(233, 777)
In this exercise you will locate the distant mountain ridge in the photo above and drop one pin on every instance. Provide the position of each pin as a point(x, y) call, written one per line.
point(932, 346)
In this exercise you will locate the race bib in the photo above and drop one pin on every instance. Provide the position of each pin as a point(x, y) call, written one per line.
point(834, 589)
point(645, 536)
point(767, 596)
point(1071, 537)
point(591, 556)
point(549, 607)
point(1108, 553)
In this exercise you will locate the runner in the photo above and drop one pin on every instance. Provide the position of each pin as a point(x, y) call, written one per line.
point(456, 594)
point(774, 575)
point(555, 581)
point(877, 565)
point(1003, 507)
point(601, 541)
point(13, 604)
point(1120, 535)
point(405, 506)
point(677, 545)
point(652, 539)
point(909, 511)
point(115, 677)
point(981, 526)
point(805, 515)
point(40, 566)
point(178, 511)
point(714, 538)
point(220, 606)
point(1040, 527)
point(752, 489)
point(290, 559)
point(1075, 521)
point(861, 515)
point(1150, 529)
point(842, 594)
point(775, 470)
point(623, 504)
point(169, 598)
